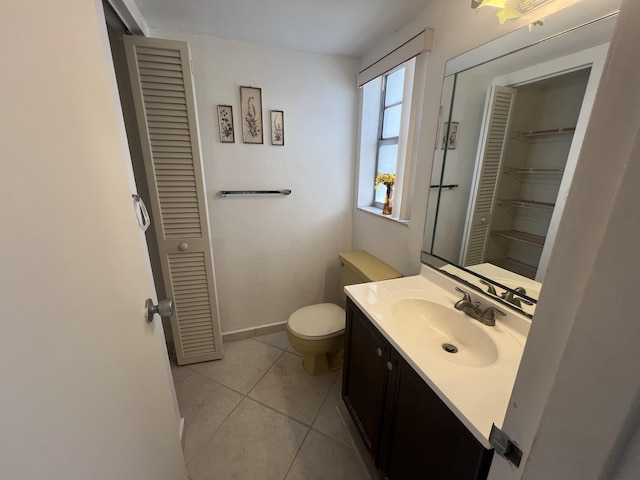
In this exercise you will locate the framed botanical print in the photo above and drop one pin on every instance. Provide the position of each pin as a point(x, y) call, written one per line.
point(225, 124)
point(251, 112)
point(277, 127)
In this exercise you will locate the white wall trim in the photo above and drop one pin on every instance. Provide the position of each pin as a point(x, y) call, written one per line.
point(396, 55)
point(128, 11)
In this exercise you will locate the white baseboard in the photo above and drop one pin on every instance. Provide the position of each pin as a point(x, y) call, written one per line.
point(253, 332)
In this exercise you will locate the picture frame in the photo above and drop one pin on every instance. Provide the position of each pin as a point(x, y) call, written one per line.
point(251, 113)
point(225, 124)
point(452, 142)
point(277, 127)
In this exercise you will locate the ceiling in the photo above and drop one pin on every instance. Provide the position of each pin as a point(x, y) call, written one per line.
point(333, 27)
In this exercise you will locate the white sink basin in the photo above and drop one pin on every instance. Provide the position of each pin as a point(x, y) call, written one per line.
point(440, 329)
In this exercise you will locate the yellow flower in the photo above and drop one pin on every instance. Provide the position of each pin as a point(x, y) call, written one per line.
point(385, 178)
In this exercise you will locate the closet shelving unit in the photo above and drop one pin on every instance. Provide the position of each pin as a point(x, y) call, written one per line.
point(522, 237)
point(520, 173)
point(515, 266)
point(511, 204)
point(541, 133)
point(521, 207)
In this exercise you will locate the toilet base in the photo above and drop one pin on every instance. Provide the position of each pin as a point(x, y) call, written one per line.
point(323, 363)
point(319, 356)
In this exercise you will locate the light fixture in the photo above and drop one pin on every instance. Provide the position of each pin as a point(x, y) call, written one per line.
point(509, 9)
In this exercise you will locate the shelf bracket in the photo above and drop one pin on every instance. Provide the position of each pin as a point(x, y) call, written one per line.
point(504, 446)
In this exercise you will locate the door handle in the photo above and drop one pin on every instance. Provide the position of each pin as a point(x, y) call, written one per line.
point(164, 308)
point(142, 214)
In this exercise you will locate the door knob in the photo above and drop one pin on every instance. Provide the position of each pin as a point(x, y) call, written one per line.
point(164, 308)
point(183, 247)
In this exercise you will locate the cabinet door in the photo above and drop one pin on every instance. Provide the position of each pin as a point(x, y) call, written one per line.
point(423, 438)
point(364, 377)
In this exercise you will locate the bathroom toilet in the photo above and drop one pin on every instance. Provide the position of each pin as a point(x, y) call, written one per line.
point(317, 331)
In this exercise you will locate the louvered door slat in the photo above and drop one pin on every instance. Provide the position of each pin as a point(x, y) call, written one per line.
point(159, 63)
point(497, 122)
point(161, 73)
point(191, 311)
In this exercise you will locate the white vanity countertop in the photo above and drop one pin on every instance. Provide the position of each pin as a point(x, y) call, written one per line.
point(478, 396)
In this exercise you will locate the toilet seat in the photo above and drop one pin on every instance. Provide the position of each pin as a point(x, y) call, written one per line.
point(317, 322)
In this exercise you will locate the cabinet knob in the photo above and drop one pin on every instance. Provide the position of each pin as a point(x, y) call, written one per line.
point(389, 366)
point(183, 247)
point(379, 351)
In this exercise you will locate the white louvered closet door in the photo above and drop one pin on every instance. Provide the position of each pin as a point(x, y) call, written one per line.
point(162, 84)
point(493, 143)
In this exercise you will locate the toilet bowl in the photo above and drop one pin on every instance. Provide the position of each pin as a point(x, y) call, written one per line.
point(317, 331)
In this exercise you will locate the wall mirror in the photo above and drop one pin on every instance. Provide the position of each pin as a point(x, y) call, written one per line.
point(511, 126)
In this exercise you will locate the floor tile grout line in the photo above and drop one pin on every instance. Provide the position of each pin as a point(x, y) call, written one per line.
point(325, 399)
point(270, 344)
point(285, 414)
point(233, 389)
point(220, 383)
point(265, 372)
point(215, 430)
point(293, 460)
point(243, 397)
point(352, 437)
point(246, 396)
point(297, 420)
point(351, 447)
point(175, 384)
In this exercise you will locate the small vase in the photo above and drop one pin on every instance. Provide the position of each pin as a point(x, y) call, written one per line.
point(388, 200)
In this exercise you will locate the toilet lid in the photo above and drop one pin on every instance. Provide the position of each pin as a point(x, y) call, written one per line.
point(317, 320)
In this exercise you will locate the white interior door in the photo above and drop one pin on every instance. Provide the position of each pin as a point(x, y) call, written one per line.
point(493, 142)
point(86, 392)
point(164, 101)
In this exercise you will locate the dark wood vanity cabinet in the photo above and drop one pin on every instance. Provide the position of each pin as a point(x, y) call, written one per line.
point(409, 431)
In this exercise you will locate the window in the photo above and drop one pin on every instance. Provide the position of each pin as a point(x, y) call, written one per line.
point(389, 129)
point(384, 138)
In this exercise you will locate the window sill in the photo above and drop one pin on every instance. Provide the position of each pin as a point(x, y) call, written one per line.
point(378, 213)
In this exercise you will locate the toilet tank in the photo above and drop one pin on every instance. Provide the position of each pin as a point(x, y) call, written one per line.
point(362, 267)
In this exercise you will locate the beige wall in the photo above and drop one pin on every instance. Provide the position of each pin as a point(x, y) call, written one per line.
point(276, 254)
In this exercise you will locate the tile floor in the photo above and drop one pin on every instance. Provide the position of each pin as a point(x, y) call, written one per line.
point(257, 415)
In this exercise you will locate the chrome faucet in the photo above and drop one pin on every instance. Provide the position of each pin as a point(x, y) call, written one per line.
point(491, 288)
point(465, 305)
point(509, 296)
point(486, 316)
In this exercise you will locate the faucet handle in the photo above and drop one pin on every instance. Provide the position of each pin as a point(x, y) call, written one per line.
point(491, 288)
point(489, 313)
point(510, 296)
point(522, 291)
point(467, 297)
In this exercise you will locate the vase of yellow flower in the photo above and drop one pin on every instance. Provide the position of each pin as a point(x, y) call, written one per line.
point(388, 180)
